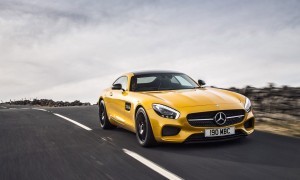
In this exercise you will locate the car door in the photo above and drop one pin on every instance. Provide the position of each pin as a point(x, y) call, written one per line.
point(117, 101)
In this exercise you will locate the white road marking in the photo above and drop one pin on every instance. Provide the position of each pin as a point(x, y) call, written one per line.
point(74, 122)
point(104, 139)
point(100, 163)
point(152, 165)
point(40, 109)
point(4, 107)
point(25, 108)
point(12, 108)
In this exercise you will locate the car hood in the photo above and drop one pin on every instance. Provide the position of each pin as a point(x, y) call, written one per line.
point(196, 97)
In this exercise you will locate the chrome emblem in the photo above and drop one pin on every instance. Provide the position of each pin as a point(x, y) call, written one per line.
point(220, 118)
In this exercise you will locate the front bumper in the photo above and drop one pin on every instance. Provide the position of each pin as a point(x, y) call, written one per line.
point(188, 133)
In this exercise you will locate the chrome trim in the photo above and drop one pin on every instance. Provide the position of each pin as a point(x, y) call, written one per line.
point(212, 119)
point(230, 117)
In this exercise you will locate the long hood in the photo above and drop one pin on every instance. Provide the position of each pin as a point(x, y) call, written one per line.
point(196, 97)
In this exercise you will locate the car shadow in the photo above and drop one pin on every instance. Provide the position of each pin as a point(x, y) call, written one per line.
point(206, 145)
point(257, 148)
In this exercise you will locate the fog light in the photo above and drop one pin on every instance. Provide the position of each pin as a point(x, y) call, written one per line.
point(249, 123)
point(170, 131)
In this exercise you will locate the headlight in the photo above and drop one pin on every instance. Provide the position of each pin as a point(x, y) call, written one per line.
point(165, 111)
point(247, 105)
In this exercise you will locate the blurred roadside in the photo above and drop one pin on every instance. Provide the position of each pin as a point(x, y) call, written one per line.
point(46, 102)
point(277, 109)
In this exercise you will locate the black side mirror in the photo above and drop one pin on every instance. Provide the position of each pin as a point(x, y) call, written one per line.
point(117, 87)
point(201, 82)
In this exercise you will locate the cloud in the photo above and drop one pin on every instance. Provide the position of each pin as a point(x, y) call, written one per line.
point(69, 50)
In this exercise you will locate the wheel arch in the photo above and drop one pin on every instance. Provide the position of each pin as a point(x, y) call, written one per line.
point(136, 109)
point(100, 98)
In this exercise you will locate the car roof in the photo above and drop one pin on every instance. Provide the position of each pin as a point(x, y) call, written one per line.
point(137, 73)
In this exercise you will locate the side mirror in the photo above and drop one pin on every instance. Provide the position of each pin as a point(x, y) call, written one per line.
point(201, 82)
point(117, 87)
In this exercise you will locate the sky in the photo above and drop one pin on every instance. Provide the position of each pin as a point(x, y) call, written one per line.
point(73, 49)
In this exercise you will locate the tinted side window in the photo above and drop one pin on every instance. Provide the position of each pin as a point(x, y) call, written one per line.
point(183, 81)
point(174, 80)
point(123, 81)
point(142, 80)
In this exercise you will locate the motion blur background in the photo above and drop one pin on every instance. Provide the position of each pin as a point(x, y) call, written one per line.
point(72, 49)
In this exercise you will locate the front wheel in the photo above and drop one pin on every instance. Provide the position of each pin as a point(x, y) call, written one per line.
point(104, 121)
point(144, 131)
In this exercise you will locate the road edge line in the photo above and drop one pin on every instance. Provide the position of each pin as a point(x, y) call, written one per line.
point(162, 171)
point(38, 109)
point(74, 122)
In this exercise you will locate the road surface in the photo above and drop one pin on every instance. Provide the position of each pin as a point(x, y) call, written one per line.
point(67, 143)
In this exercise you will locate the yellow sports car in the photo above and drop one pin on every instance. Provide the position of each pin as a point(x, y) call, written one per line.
point(167, 106)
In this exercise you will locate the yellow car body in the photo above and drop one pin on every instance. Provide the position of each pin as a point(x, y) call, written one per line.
point(121, 107)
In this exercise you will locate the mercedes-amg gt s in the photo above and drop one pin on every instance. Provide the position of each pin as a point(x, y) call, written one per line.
point(167, 106)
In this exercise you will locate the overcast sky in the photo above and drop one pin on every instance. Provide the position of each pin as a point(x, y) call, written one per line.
point(72, 49)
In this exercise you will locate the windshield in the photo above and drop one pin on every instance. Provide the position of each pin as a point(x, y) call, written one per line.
point(162, 81)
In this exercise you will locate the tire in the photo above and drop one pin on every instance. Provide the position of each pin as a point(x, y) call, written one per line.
point(144, 133)
point(103, 118)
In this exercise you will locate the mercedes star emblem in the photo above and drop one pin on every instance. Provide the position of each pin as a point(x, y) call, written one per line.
point(220, 118)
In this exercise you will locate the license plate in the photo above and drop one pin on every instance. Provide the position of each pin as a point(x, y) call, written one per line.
point(219, 132)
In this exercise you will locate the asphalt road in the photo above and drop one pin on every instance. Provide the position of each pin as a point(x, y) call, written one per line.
point(37, 144)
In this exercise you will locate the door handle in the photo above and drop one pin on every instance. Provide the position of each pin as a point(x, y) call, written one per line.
point(111, 94)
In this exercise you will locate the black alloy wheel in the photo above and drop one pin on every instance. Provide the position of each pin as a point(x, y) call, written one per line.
point(144, 131)
point(103, 118)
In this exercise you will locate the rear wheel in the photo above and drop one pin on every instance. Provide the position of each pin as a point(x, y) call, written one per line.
point(104, 122)
point(144, 131)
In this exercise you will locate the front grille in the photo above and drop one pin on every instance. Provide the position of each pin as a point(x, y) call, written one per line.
point(206, 119)
point(196, 138)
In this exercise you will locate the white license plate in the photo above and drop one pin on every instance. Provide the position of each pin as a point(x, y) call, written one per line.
point(219, 132)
